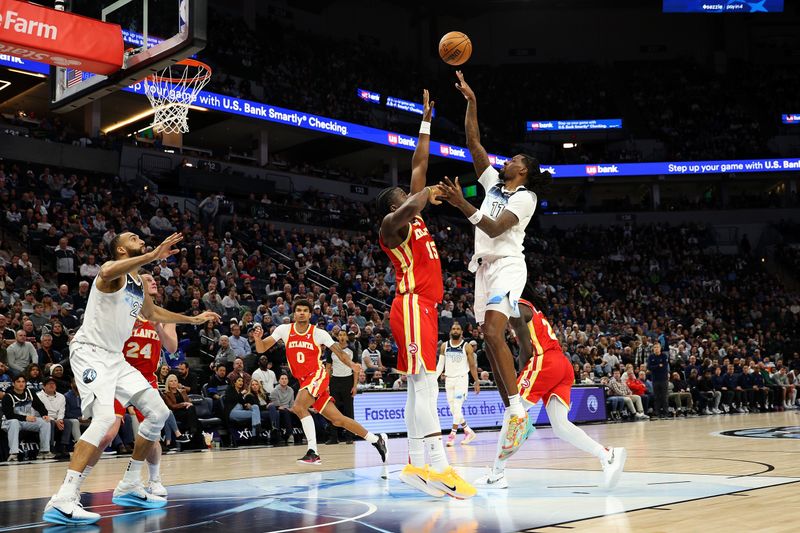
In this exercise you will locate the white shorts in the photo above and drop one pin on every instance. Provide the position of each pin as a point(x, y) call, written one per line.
point(102, 376)
point(498, 286)
point(456, 388)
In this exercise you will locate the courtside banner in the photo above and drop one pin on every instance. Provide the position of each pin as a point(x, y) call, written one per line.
point(59, 38)
point(384, 412)
point(290, 117)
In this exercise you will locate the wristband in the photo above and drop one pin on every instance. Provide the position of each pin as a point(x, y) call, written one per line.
point(475, 217)
point(425, 127)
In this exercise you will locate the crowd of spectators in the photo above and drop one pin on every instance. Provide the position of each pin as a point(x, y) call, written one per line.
point(615, 296)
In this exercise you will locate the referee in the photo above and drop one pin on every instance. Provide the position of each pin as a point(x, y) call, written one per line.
point(343, 386)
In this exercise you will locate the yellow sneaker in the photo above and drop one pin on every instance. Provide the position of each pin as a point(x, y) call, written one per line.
point(451, 483)
point(417, 477)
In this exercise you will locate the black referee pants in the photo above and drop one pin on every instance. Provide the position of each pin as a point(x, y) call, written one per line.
point(340, 391)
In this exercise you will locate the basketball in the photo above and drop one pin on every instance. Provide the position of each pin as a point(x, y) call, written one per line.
point(455, 48)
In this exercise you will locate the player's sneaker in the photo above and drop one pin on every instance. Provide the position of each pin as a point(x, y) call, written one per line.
point(512, 445)
point(492, 481)
point(418, 478)
point(381, 446)
point(68, 511)
point(310, 458)
point(451, 483)
point(612, 468)
point(451, 439)
point(135, 495)
point(469, 436)
point(155, 487)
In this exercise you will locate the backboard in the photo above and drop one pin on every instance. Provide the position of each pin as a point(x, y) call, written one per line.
point(156, 33)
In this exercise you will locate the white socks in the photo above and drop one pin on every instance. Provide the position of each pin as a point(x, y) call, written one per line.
point(370, 437)
point(134, 472)
point(153, 469)
point(515, 406)
point(416, 452)
point(436, 452)
point(71, 485)
point(310, 431)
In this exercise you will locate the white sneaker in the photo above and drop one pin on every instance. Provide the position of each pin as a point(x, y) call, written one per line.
point(716, 411)
point(135, 495)
point(155, 487)
point(642, 416)
point(491, 481)
point(706, 411)
point(612, 469)
point(68, 511)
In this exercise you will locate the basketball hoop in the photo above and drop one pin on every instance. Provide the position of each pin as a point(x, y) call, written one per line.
point(172, 92)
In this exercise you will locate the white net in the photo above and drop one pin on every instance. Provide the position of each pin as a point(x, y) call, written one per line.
point(173, 91)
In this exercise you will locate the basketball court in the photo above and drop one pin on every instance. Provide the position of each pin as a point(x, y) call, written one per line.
point(683, 473)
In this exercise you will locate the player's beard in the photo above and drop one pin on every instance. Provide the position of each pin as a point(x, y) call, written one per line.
point(136, 253)
point(455, 337)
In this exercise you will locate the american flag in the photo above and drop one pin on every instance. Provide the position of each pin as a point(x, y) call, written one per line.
point(74, 77)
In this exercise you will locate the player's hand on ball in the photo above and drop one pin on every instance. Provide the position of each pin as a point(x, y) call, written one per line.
point(427, 106)
point(451, 191)
point(164, 250)
point(464, 88)
point(206, 316)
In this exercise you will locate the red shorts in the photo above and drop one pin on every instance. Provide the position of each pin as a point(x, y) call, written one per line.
point(120, 411)
point(318, 386)
point(415, 328)
point(546, 375)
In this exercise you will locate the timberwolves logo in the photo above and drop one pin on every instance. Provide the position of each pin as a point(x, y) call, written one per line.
point(779, 432)
point(413, 348)
point(89, 375)
point(591, 403)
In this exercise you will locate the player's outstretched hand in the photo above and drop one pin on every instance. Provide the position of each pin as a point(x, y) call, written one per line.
point(464, 88)
point(427, 106)
point(206, 316)
point(435, 194)
point(164, 250)
point(451, 191)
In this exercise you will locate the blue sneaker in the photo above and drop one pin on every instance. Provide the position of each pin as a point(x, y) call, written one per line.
point(135, 495)
point(512, 444)
point(69, 512)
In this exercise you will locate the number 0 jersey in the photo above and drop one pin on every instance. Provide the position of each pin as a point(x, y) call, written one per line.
point(109, 317)
point(303, 350)
point(143, 349)
point(416, 263)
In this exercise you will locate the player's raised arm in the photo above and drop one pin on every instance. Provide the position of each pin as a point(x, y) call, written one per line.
point(113, 270)
point(480, 159)
point(158, 314)
point(419, 162)
point(263, 344)
point(451, 191)
point(394, 226)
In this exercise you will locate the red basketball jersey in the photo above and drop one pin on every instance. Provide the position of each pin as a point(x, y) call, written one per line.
point(417, 268)
point(304, 351)
point(543, 338)
point(143, 349)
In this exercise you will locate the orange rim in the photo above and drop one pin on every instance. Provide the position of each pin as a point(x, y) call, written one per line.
point(200, 66)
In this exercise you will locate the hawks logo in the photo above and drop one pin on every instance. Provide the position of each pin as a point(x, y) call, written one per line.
point(778, 432)
point(413, 348)
point(525, 383)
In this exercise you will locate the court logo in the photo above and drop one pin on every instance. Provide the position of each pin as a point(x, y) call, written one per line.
point(777, 432)
point(413, 348)
point(591, 403)
point(89, 375)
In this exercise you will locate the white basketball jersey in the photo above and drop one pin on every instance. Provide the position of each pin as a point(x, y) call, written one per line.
point(455, 360)
point(521, 202)
point(109, 317)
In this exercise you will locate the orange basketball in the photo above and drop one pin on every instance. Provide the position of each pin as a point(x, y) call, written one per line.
point(455, 48)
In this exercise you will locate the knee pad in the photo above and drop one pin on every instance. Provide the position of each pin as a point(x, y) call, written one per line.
point(102, 421)
point(155, 413)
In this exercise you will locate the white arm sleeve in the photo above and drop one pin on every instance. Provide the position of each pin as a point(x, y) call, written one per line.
point(323, 337)
point(522, 204)
point(489, 177)
point(281, 333)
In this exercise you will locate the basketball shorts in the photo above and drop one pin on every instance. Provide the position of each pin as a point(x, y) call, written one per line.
point(456, 388)
point(120, 410)
point(546, 376)
point(415, 327)
point(498, 286)
point(318, 385)
point(101, 376)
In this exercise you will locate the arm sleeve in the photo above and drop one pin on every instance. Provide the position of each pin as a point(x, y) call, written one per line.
point(522, 204)
point(38, 405)
point(323, 337)
point(281, 333)
point(62, 408)
point(489, 177)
